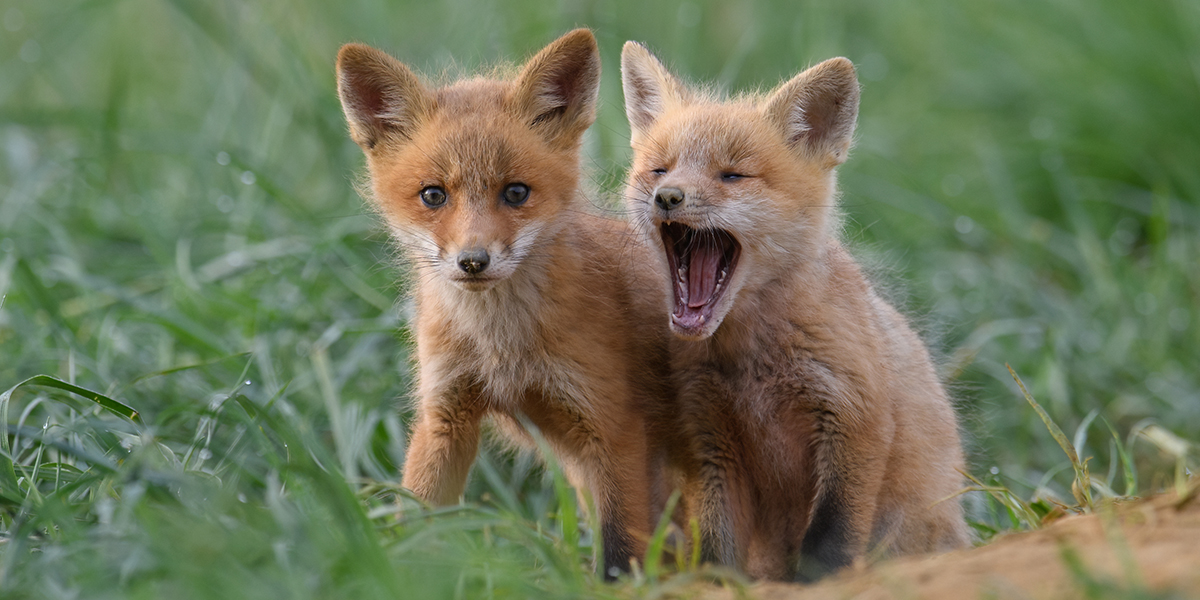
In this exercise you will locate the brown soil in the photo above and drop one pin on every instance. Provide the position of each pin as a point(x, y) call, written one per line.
point(1152, 544)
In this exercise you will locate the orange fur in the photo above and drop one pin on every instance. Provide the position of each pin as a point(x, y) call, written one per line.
point(817, 426)
point(531, 310)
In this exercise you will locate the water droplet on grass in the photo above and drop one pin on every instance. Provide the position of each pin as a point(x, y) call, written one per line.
point(1041, 128)
point(1145, 303)
point(1178, 319)
point(1052, 160)
point(1121, 241)
point(943, 281)
point(953, 185)
point(31, 51)
point(973, 302)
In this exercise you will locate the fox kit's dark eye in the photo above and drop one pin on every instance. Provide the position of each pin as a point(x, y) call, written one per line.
point(729, 176)
point(659, 171)
point(515, 194)
point(433, 196)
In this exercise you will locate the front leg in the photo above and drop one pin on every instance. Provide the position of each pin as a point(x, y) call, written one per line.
point(620, 475)
point(851, 459)
point(713, 499)
point(605, 452)
point(629, 477)
point(444, 442)
point(616, 510)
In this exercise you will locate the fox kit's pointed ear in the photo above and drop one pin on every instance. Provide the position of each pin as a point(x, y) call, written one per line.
point(557, 89)
point(817, 109)
point(380, 96)
point(650, 89)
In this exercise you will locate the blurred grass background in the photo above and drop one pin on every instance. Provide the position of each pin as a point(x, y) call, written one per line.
point(178, 231)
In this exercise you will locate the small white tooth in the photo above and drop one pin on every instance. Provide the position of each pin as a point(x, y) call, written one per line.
point(703, 319)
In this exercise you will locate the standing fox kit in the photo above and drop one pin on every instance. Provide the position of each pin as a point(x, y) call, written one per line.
point(817, 426)
point(527, 306)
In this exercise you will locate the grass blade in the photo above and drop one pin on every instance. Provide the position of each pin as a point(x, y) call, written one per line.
point(105, 402)
point(1082, 486)
point(1127, 466)
point(654, 551)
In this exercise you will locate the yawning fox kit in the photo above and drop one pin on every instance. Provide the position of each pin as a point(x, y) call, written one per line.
point(817, 425)
point(720, 339)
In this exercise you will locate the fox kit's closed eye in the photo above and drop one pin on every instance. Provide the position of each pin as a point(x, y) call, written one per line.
point(817, 425)
point(527, 306)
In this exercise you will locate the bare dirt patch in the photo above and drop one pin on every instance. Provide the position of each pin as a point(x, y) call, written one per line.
point(1150, 545)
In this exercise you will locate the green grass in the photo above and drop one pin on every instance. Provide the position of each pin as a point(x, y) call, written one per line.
point(179, 234)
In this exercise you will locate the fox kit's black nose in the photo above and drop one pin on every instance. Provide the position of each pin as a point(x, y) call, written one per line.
point(668, 198)
point(473, 260)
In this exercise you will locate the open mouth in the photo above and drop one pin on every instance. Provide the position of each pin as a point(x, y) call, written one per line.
point(702, 262)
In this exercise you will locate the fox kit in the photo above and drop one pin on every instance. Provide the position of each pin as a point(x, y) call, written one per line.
point(527, 306)
point(817, 425)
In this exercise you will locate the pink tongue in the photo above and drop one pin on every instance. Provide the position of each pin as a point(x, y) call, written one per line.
point(702, 273)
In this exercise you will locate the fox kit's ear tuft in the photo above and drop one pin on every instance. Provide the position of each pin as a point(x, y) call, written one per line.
point(380, 96)
point(817, 109)
point(557, 89)
point(650, 89)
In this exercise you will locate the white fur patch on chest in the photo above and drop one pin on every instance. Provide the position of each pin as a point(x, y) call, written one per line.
point(503, 329)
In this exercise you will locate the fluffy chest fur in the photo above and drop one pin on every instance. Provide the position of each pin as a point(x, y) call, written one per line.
point(519, 341)
point(496, 339)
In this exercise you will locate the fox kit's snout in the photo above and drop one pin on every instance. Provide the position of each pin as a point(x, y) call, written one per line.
point(702, 257)
point(473, 261)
